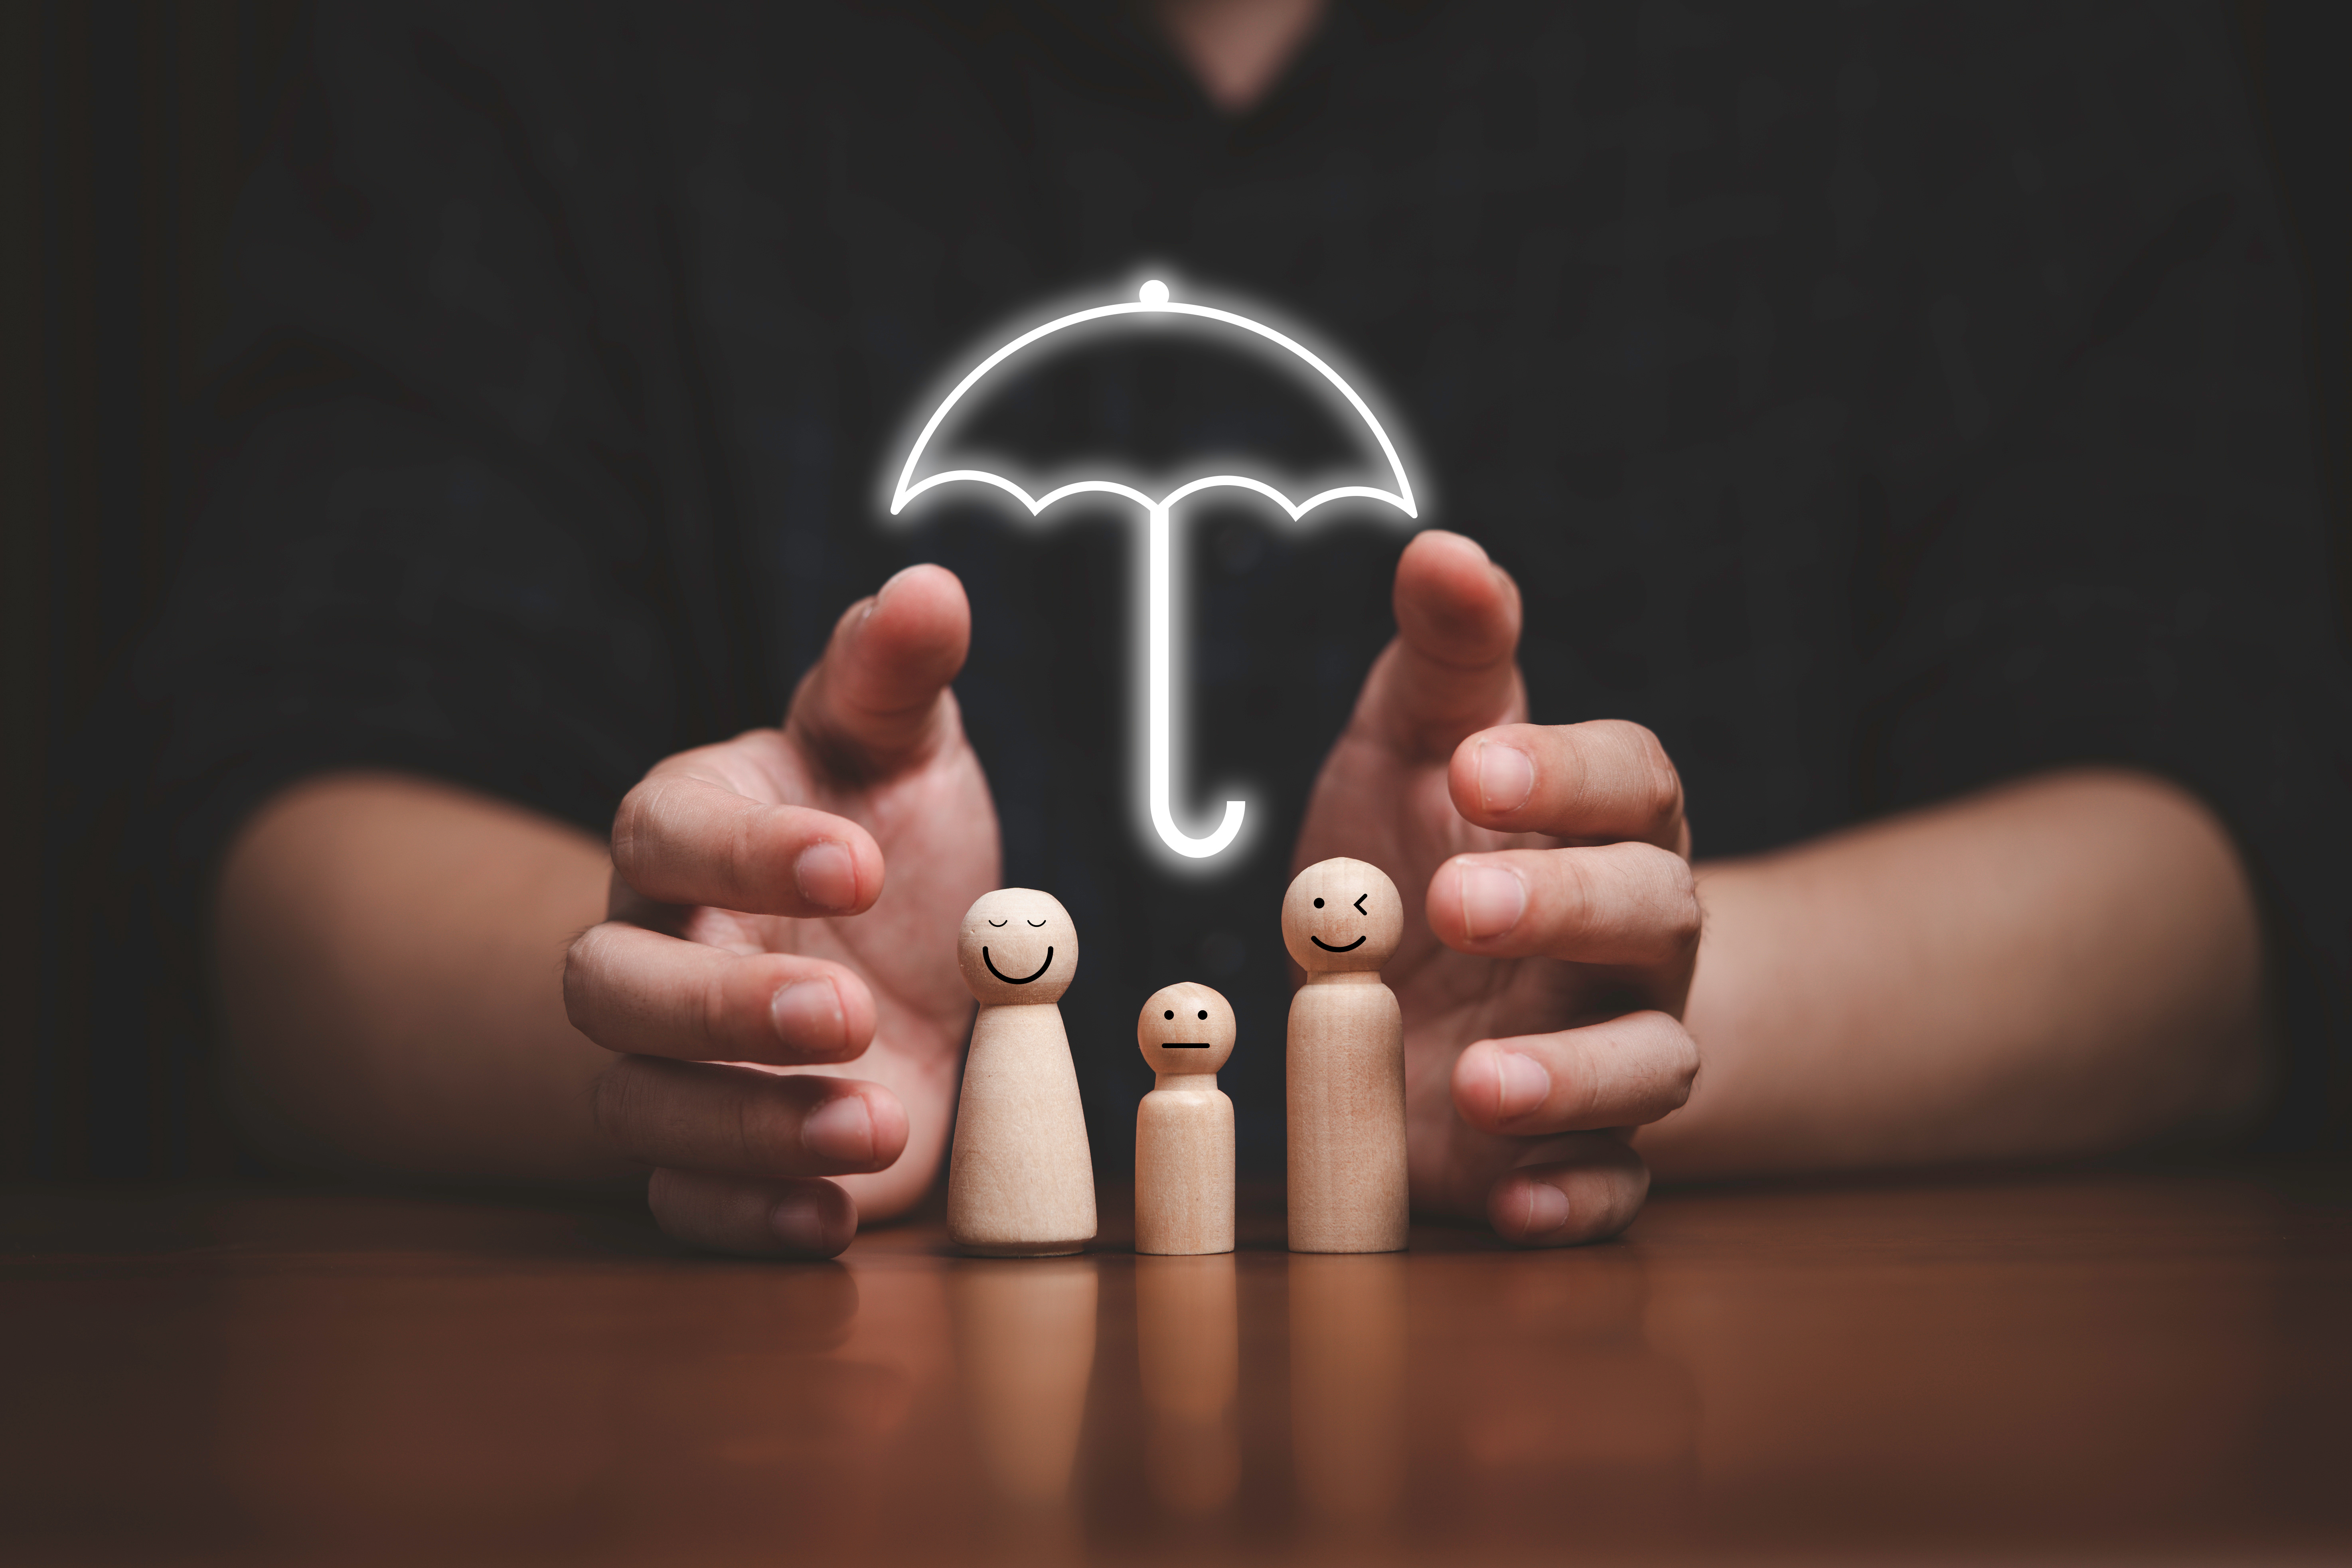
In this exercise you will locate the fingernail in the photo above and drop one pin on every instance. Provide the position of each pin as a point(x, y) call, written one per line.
point(798, 1222)
point(841, 1130)
point(1547, 1208)
point(1493, 899)
point(1520, 1085)
point(827, 876)
point(807, 1013)
point(1507, 776)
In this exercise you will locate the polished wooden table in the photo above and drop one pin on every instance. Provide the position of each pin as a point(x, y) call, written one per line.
point(2146, 1365)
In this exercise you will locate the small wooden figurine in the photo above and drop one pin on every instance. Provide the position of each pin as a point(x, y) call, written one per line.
point(1344, 1067)
point(1021, 1180)
point(1184, 1128)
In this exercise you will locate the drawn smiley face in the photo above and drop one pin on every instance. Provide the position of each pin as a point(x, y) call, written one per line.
point(1017, 945)
point(1341, 915)
point(1185, 1029)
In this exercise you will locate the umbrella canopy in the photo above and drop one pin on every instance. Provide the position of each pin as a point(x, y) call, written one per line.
point(1386, 485)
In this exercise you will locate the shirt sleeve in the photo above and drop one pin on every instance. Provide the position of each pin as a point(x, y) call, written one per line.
point(2099, 538)
point(454, 524)
point(448, 511)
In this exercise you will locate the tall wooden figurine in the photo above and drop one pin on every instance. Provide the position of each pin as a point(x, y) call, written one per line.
point(1021, 1180)
point(1345, 1064)
point(1184, 1128)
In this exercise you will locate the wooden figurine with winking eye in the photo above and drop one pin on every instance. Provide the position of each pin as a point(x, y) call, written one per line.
point(1184, 1128)
point(1344, 1065)
point(1021, 1179)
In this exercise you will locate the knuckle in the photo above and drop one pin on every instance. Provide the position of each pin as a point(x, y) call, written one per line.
point(1686, 918)
point(1578, 907)
point(1582, 1103)
point(1669, 896)
point(711, 1013)
point(1674, 1064)
point(735, 859)
point(1653, 786)
point(1571, 767)
point(633, 825)
point(1663, 780)
point(1627, 1194)
point(1685, 1067)
point(765, 1132)
point(614, 1096)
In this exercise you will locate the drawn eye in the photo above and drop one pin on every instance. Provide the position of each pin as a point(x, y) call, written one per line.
point(996, 922)
point(1204, 1012)
point(1359, 905)
point(1037, 922)
point(1170, 1014)
point(1318, 903)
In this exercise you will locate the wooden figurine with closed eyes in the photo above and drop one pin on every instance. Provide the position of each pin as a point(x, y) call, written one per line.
point(1184, 1128)
point(1021, 1179)
point(1344, 1065)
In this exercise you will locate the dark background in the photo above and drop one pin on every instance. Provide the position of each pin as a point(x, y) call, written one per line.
point(128, 132)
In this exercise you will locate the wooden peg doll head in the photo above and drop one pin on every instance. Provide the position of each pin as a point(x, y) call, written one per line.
point(1185, 1029)
point(1017, 946)
point(1340, 915)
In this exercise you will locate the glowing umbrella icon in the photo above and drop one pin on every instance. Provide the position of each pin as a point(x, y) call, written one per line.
point(1152, 301)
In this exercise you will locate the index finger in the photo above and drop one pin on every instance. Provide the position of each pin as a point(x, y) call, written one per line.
point(1605, 782)
point(687, 835)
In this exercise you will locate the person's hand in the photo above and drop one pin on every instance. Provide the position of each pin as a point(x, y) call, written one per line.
point(750, 924)
point(1551, 926)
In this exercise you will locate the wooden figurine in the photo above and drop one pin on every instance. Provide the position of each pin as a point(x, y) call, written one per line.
point(1184, 1128)
point(1344, 1067)
point(1021, 1180)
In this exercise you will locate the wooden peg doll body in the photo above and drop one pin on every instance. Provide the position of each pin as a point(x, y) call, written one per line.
point(1344, 1063)
point(1021, 1180)
point(1184, 1128)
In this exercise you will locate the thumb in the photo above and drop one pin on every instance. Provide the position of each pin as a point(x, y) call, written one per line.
point(1453, 667)
point(878, 701)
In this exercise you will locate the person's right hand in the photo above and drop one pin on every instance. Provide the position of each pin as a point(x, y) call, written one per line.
point(749, 930)
point(1550, 932)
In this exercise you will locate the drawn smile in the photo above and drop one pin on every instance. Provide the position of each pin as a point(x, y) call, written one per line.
point(1319, 943)
point(1026, 978)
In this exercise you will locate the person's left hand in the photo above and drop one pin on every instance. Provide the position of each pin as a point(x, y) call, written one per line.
point(1551, 925)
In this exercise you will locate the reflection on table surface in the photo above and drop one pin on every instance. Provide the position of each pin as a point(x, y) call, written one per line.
point(2059, 1366)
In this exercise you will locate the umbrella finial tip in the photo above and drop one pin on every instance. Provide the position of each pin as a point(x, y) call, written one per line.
point(1153, 292)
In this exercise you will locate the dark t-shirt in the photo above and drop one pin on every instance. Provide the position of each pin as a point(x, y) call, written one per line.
point(1876, 402)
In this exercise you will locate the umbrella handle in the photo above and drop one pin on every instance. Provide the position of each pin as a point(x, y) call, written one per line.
point(1160, 764)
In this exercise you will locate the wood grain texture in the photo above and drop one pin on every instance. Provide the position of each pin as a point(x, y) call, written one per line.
point(1349, 1349)
point(1021, 1179)
point(1345, 1072)
point(1344, 1063)
point(1184, 1127)
point(1024, 1348)
point(1188, 1359)
point(2081, 1367)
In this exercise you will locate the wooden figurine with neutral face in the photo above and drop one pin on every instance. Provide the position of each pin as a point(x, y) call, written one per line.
point(1021, 1180)
point(1344, 1067)
point(1184, 1128)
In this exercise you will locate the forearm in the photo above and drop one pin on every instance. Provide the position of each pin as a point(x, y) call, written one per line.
point(2068, 965)
point(389, 954)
